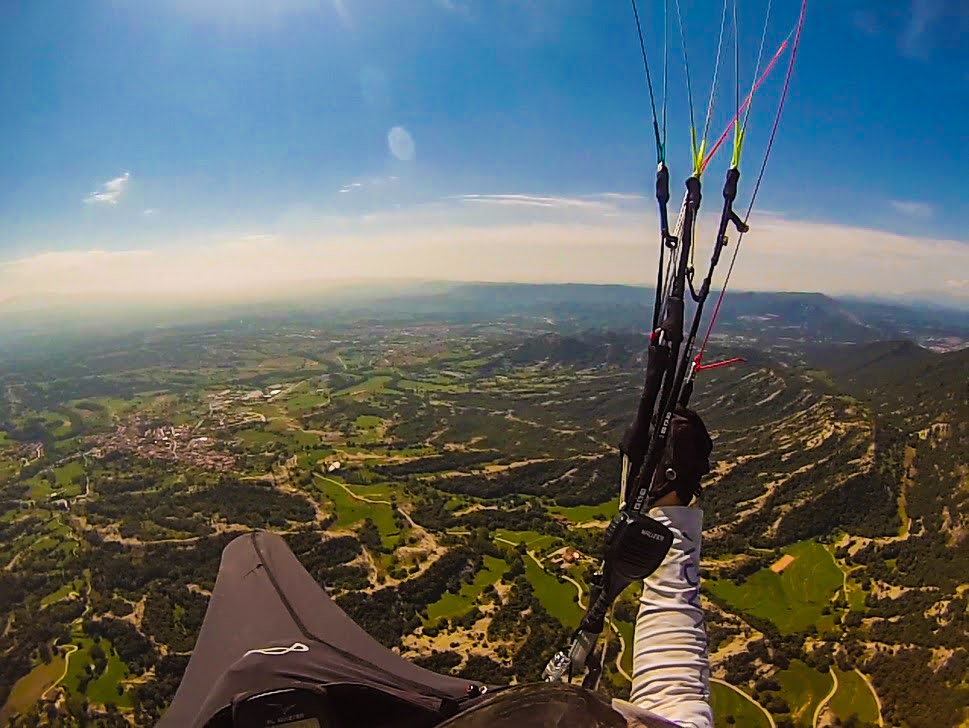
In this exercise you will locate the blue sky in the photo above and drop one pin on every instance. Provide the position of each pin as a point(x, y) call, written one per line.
point(462, 138)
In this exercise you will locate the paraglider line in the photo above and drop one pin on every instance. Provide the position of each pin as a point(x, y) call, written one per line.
point(760, 175)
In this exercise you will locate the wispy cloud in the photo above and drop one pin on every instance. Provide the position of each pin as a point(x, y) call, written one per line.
point(914, 40)
point(621, 196)
point(110, 192)
point(913, 208)
point(150, 211)
point(369, 182)
point(558, 203)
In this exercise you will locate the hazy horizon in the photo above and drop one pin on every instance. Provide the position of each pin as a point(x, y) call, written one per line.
point(228, 149)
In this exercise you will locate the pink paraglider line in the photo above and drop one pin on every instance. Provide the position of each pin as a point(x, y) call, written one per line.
point(745, 105)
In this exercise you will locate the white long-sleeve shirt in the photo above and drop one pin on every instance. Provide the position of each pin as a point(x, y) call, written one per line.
point(671, 668)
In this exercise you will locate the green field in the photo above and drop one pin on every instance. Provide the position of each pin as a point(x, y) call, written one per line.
point(557, 597)
point(114, 405)
point(257, 438)
point(456, 605)
point(377, 491)
point(74, 586)
point(422, 386)
point(533, 539)
point(310, 458)
point(305, 401)
point(104, 688)
point(627, 630)
point(727, 703)
point(853, 697)
point(803, 687)
point(28, 689)
point(350, 511)
point(793, 599)
point(69, 479)
point(582, 514)
point(374, 384)
point(856, 596)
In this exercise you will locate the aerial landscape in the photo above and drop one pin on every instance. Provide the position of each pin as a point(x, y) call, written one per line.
point(457, 363)
point(455, 470)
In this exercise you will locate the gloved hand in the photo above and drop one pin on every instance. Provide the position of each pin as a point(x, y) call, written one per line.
point(685, 461)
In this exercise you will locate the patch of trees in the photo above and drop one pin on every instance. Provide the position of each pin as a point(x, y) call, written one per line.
point(326, 559)
point(136, 650)
point(369, 535)
point(173, 616)
point(719, 634)
point(914, 694)
point(417, 429)
point(509, 621)
point(127, 483)
point(431, 512)
point(15, 587)
point(247, 503)
point(542, 478)
point(155, 696)
point(30, 429)
point(744, 567)
point(131, 571)
point(390, 613)
point(439, 661)
point(904, 621)
point(858, 505)
point(483, 669)
point(34, 631)
point(512, 437)
point(451, 460)
point(523, 615)
point(741, 668)
point(925, 560)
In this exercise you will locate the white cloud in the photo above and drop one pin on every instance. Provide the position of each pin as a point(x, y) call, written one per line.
point(369, 182)
point(110, 192)
point(150, 211)
point(621, 196)
point(913, 208)
point(512, 237)
point(559, 203)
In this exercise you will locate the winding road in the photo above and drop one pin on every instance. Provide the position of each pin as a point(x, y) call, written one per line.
point(578, 587)
point(737, 690)
point(353, 495)
point(826, 698)
point(71, 649)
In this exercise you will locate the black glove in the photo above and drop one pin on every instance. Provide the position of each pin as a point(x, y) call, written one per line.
point(685, 460)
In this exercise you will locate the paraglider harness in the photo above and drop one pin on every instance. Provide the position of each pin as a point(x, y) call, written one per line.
point(636, 544)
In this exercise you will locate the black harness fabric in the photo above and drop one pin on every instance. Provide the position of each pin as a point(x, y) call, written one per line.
point(269, 625)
